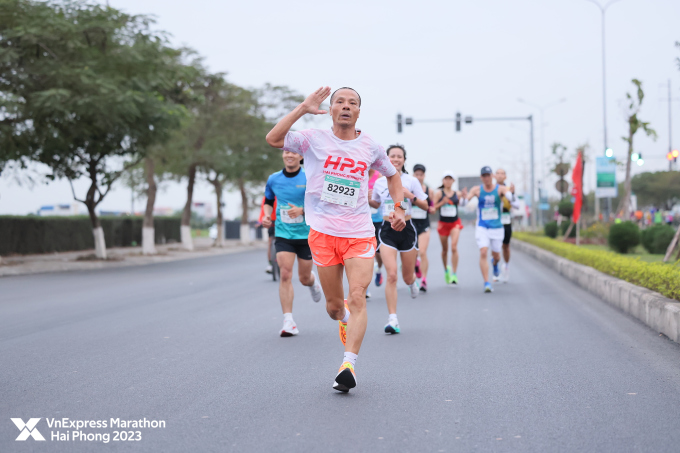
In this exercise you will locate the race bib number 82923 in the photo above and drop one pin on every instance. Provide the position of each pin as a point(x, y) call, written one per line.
point(340, 191)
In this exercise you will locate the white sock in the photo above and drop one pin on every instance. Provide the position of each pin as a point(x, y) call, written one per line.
point(507, 264)
point(346, 317)
point(393, 316)
point(351, 358)
point(288, 316)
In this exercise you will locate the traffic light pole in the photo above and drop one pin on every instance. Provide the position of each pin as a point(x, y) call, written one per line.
point(468, 120)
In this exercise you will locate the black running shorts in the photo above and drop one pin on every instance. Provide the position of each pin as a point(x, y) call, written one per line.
point(508, 234)
point(422, 225)
point(377, 226)
point(403, 240)
point(298, 246)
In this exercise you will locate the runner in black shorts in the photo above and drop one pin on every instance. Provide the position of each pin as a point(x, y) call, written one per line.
point(392, 242)
point(291, 232)
point(508, 201)
point(421, 220)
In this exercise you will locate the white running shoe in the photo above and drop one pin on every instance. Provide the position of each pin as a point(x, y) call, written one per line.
point(392, 326)
point(505, 273)
point(269, 269)
point(315, 289)
point(415, 289)
point(368, 294)
point(289, 328)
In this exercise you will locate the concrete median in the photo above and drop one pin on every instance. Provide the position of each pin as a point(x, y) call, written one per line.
point(658, 312)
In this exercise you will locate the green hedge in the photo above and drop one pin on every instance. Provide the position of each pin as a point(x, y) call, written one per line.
point(32, 234)
point(661, 277)
point(624, 236)
point(656, 238)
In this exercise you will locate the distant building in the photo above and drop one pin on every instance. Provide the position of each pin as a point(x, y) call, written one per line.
point(163, 211)
point(58, 210)
point(202, 209)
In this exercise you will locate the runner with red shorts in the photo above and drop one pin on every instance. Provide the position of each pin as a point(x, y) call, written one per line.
point(447, 200)
point(342, 236)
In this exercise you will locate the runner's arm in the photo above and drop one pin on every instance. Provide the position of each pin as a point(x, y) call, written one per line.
point(398, 216)
point(440, 200)
point(420, 197)
point(267, 219)
point(473, 193)
point(373, 201)
point(277, 136)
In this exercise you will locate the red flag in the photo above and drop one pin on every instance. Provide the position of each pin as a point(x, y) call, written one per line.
point(577, 188)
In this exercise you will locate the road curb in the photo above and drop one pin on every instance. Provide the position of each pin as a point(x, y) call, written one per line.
point(658, 312)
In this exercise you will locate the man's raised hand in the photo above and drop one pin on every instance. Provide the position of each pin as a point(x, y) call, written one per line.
point(314, 100)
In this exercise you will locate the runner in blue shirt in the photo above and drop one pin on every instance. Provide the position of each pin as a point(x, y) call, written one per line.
point(291, 232)
point(489, 231)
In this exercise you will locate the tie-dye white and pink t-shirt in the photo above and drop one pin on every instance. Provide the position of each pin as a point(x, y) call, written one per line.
point(336, 198)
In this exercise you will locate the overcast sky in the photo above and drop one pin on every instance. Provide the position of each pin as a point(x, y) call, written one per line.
point(428, 60)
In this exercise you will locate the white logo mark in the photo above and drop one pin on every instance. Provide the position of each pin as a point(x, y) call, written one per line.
point(28, 429)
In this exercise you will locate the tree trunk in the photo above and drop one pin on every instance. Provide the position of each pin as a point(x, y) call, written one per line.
point(625, 201)
point(91, 203)
point(245, 228)
point(672, 245)
point(217, 184)
point(187, 242)
point(148, 232)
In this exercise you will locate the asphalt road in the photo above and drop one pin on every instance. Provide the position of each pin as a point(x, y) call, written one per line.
point(539, 365)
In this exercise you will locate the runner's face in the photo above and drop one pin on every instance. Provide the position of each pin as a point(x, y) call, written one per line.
point(448, 182)
point(500, 176)
point(291, 160)
point(396, 156)
point(487, 179)
point(420, 175)
point(345, 108)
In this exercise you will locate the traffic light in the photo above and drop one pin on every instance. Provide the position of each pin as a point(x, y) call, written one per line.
point(635, 156)
point(457, 121)
point(609, 152)
point(640, 161)
point(399, 123)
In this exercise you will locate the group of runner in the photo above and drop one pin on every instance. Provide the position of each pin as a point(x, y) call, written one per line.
point(354, 208)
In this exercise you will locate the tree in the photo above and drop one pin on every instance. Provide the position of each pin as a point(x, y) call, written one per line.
point(661, 188)
point(634, 124)
point(87, 85)
point(212, 119)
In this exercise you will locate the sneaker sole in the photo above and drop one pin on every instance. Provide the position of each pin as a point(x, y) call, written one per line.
point(344, 381)
point(288, 334)
point(391, 330)
point(488, 290)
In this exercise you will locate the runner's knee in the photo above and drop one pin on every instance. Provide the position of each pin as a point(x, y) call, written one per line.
point(286, 274)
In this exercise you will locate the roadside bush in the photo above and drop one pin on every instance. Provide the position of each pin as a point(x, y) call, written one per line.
point(598, 230)
point(624, 236)
point(649, 236)
point(565, 226)
point(661, 277)
point(31, 234)
point(550, 229)
point(565, 207)
point(663, 239)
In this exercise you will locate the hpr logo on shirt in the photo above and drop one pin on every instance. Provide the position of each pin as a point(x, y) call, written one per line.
point(344, 163)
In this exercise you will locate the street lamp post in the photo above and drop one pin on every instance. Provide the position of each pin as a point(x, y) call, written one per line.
point(603, 10)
